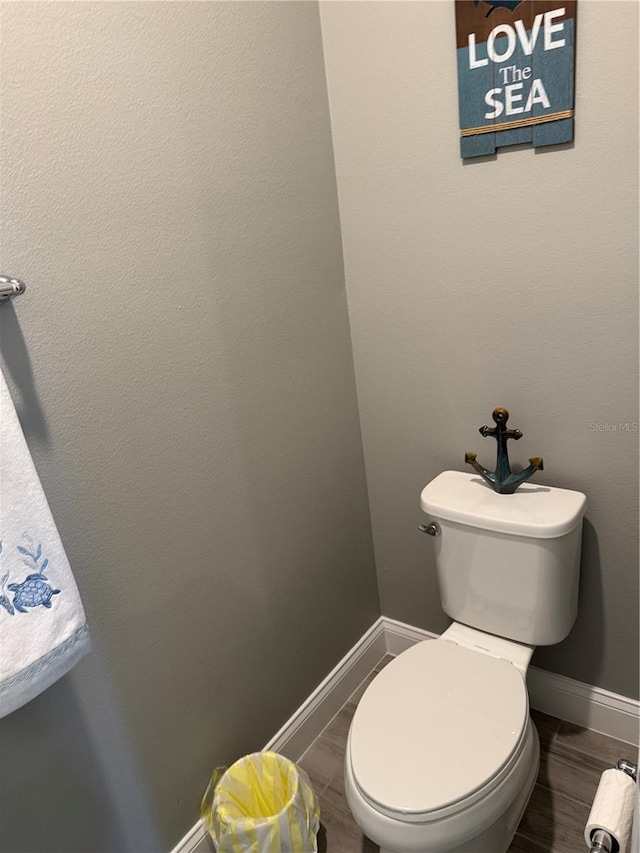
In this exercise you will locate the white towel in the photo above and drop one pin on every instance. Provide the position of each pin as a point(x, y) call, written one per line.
point(43, 630)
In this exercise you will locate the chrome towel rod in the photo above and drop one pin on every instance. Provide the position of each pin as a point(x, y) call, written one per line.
point(10, 286)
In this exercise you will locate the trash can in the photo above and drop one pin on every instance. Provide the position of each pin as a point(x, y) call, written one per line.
point(263, 803)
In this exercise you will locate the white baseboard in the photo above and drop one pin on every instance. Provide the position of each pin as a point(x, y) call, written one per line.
point(400, 636)
point(552, 694)
point(195, 841)
point(587, 706)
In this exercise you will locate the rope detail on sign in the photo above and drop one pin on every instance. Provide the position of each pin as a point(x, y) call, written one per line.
point(512, 125)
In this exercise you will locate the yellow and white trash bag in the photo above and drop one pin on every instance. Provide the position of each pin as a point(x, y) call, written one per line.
point(263, 803)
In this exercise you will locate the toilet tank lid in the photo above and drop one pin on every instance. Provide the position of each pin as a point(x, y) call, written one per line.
point(536, 511)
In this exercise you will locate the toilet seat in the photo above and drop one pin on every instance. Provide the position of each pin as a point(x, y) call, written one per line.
point(437, 730)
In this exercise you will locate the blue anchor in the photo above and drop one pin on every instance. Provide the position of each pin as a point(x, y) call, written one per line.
point(502, 480)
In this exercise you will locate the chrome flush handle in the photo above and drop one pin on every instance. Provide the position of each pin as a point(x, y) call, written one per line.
point(432, 529)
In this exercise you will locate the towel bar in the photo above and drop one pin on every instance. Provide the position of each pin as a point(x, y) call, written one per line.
point(10, 286)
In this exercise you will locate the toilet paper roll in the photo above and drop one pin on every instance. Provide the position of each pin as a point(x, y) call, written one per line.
point(612, 808)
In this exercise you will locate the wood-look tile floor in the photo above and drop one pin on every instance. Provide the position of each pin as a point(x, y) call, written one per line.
point(571, 761)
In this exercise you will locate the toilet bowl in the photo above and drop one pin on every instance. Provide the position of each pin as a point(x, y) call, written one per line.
point(442, 754)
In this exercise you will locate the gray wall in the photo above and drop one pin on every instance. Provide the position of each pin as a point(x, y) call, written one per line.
point(508, 281)
point(182, 367)
point(182, 363)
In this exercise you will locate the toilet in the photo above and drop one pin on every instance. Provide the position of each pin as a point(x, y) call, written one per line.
point(442, 754)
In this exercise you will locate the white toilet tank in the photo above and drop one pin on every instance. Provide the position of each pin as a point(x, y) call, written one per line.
point(507, 564)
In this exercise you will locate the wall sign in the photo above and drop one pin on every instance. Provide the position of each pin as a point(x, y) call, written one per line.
point(516, 62)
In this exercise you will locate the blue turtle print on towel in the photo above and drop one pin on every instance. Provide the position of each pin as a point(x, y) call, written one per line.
point(32, 592)
point(34, 589)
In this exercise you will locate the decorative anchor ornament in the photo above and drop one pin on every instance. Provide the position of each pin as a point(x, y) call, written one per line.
point(502, 480)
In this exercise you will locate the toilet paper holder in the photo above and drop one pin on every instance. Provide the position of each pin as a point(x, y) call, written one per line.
point(629, 768)
point(601, 841)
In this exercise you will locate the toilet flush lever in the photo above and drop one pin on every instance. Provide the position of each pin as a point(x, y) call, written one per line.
point(432, 529)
